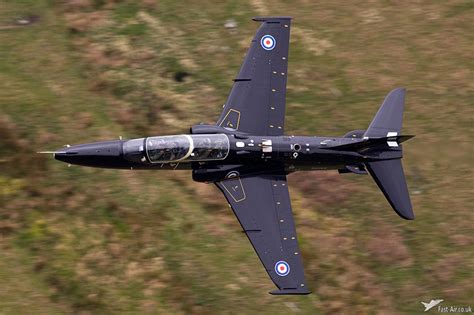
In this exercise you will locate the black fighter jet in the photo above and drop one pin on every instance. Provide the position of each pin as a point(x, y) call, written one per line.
point(248, 157)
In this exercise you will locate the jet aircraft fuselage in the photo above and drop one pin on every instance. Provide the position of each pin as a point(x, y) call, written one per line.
point(280, 154)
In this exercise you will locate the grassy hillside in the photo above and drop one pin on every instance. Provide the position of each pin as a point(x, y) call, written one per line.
point(103, 241)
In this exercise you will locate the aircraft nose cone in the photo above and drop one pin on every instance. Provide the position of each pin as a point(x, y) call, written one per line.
point(65, 155)
point(99, 154)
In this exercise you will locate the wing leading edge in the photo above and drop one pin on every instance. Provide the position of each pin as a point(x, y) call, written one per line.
point(263, 207)
point(257, 101)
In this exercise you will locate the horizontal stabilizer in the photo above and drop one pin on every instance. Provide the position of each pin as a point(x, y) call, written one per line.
point(389, 118)
point(390, 178)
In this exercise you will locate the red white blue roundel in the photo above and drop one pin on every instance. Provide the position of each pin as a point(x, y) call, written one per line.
point(282, 268)
point(268, 42)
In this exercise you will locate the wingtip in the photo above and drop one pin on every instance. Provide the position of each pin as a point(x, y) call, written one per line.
point(270, 18)
point(290, 292)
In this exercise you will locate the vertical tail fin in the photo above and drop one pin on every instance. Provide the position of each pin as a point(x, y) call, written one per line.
point(388, 120)
point(390, 178)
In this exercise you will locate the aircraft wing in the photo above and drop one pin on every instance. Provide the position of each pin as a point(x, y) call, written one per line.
point(262, 206)
point(257, 101)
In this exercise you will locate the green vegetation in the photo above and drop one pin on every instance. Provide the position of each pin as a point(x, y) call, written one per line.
point(102, 241)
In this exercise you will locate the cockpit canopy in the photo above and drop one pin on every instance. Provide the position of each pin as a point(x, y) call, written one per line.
point(167, 148)
point(179, 148)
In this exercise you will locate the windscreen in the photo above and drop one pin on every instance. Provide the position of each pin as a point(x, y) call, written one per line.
point(134, 150)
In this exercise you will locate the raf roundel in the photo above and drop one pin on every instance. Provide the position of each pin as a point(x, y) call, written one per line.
point(282, 268)
point(268, 42)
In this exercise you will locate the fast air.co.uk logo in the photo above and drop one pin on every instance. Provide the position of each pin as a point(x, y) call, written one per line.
point(445, 309)
point(431, 304)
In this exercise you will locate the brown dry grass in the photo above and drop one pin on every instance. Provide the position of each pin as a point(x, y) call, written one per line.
point(386, 245)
